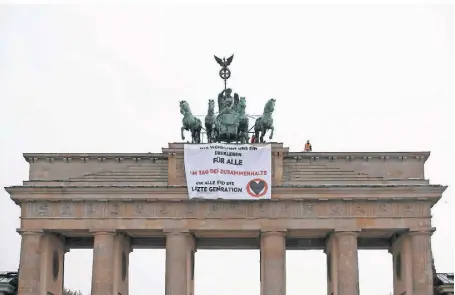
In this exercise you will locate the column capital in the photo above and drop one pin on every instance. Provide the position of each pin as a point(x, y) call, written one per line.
point(103, 231)
point(176, 232)
point(273, 232)
point(23, 231)
point(421, 231)
point(342, 232)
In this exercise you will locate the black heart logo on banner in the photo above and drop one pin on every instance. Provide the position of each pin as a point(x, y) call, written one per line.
point(257, 186)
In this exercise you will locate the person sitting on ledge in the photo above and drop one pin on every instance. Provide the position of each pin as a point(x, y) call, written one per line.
point(307, 147)
point(253, 139)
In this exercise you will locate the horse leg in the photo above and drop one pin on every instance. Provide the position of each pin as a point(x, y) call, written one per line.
point(263, 131)
point(271, 133)
point(197, 135)
point(256, 134)
point(181, 133)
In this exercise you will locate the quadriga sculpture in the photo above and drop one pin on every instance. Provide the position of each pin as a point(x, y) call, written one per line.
point(265, 122)
point(231, 124)
point(210, 121)
point(242, 129)
point(190, 123)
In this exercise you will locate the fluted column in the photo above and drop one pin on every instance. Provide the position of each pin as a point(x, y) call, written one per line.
point(273, 263)
point(178, 263)
point(30, 262)
point(402, 264)
point(422, 273)
point(103, 263)
point(342, 263)
point(122, 249)
point(52, 264)
point(348, 263)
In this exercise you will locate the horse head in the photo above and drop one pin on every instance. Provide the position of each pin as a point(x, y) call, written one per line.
point(211, 105)
point(270, 106)
point(242, 103)
point(184, 107)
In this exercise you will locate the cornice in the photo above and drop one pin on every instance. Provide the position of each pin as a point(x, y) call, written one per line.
point(179, 193)
point(365, 156)
point(84, 157)
point(313, 156)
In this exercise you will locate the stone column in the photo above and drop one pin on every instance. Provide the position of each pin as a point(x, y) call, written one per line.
point(342, 264)
point(180, 247)
point(422, 273)
point(273, 263)
point(52, 264)
point(402, 264)
point(103, 263)
point(30, 261)
point(191, 256)
point(178, 263)
point(121, 255)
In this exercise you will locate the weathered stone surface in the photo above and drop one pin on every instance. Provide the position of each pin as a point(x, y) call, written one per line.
point(106, 197)
point(273, 263)
point(347, 263)
point(103, 264)
point(192, 209)
point(422, 273)
point(30, 262)
point(179, 248)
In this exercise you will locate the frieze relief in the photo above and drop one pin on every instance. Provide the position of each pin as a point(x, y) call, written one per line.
point(227, 209)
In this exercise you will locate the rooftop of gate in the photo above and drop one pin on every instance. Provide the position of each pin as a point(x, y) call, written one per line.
point(276, 147)
point(298, 168)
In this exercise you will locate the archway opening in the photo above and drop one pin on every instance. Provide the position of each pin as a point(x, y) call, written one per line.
point(78, 270)
point(306, 272)
point(375, 278)
point(147, 271)
point(227, 272)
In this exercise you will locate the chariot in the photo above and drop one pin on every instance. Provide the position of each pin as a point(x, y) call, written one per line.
point(231, 124)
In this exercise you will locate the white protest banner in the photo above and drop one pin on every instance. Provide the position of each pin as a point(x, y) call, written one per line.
point(228, 171)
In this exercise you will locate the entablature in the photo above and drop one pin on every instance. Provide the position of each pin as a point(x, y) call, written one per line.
point(431, 193)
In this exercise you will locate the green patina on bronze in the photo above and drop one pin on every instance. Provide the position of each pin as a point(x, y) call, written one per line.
point(231, 124)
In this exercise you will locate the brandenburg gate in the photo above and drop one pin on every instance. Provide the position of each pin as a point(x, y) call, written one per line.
point(115, 203)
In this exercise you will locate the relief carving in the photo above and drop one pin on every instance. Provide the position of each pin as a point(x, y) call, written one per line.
point(214, 209)
point(42, 209)
point(92, 209)
point(284, 210)
point(139, 209)
point(360, 209)
point(114, 209)
point(163, 210)
point(337, 209)
point(230, 209)
point(308, 209)
point(190, 209)
point(409, 209)
point(66, 210)
point(383, 209)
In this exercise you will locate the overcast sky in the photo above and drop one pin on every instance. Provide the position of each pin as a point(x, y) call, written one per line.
point(108, 79)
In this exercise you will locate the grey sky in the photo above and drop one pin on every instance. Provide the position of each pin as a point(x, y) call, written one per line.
point(108, 79)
